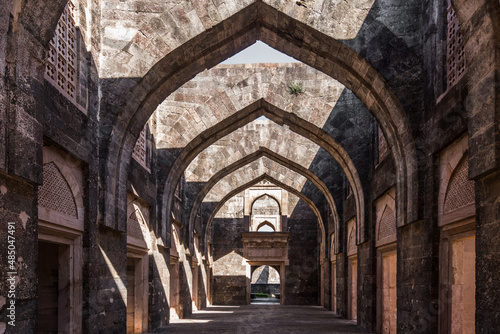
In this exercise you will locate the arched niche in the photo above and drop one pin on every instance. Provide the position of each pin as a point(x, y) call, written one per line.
point(265, 210)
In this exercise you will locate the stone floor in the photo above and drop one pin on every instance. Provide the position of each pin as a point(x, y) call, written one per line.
point(268, 319)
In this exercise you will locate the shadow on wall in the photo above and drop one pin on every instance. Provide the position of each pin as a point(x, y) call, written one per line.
point(302, 281)
point(230, 290)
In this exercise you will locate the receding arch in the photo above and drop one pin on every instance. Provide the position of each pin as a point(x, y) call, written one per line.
point(264, 152)
point(262, 196)
point(246, 115)
point(277, 183)
point(306, 200)
point(260, 21)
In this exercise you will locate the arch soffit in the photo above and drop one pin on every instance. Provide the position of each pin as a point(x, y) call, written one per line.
point(313, 48)
point(248, 171)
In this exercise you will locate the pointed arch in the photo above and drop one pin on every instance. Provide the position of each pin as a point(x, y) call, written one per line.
point(266, 223)
point(456, 196)
point(264, 152)
point(284, 33)
point(310, 203)
point(246, 115)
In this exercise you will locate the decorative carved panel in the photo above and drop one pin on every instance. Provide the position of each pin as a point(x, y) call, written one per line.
point(55, 193)
point(455, 49)
point(61, 67)
point(460, 189)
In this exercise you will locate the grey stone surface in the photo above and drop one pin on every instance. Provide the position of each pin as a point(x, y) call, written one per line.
point(263, 319)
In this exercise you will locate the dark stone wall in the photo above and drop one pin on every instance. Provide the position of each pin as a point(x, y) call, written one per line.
point(367, 291)
point(104, 307)
point(302, 274)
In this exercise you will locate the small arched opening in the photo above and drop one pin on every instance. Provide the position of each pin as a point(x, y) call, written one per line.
point(265, 214)
point(265, 226)
point(265, 287)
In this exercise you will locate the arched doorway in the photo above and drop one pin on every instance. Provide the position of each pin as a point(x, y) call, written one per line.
point(265, 287)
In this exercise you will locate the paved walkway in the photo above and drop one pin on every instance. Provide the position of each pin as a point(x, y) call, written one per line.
point(268, 319)
point(265, 301)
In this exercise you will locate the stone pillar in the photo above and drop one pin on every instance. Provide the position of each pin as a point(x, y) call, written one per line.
point(18, 205)
point(488, 253)
point(417, 278)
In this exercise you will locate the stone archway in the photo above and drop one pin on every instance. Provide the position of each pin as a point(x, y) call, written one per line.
point(263, 152)
point(310, 203)
point(329, 56)
point(257, 109)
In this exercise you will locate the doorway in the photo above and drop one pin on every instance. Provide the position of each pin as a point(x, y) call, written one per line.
point(48, 288)
point(59, 282)
point(137, 292)
point(265, 287)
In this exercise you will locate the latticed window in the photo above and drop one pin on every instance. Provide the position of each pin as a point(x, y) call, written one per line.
point(139, 153)
point(62, 63)
point(455, 50)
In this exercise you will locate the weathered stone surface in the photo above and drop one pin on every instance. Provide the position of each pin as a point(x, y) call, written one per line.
point(389, 56)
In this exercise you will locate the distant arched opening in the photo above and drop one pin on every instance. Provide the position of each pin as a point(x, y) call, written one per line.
point(265, 226)
point(266, 213)
point(265, 287)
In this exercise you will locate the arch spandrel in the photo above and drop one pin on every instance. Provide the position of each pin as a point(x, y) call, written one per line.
point(247, 173)
point(255, 181)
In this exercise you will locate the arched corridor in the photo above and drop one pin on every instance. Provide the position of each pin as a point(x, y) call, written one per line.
point(152, 182)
